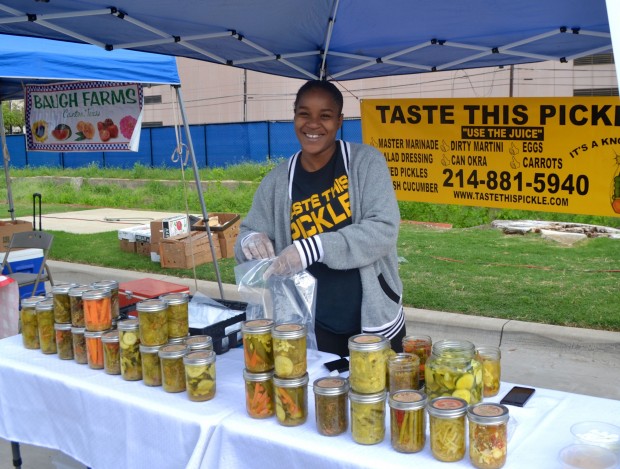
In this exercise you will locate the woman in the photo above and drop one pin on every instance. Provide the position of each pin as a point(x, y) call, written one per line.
point(330, 209)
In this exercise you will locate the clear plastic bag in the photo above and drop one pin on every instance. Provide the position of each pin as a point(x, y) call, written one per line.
point(282, 299)
point(9, 307)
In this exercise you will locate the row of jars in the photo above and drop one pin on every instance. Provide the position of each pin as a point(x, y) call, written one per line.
point(93, 306)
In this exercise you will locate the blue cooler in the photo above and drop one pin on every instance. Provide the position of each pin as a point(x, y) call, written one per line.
point(27, 261)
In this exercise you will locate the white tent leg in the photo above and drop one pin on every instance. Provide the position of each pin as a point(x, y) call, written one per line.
point(205, 214)
point(6, 158)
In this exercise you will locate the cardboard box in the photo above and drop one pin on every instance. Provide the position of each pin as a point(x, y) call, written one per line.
point(227, 231)
point(127, 237)
point(127, 246)
point(7, 228)
point(143, 248)
point(176, 251)
point(165, 228)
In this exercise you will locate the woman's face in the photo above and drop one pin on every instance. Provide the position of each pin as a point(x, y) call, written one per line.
point(317, 121)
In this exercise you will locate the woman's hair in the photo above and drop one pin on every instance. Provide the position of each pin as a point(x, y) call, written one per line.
point(327, 86)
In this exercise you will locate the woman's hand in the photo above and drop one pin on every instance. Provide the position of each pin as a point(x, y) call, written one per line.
point(288, 263)
point(257, 246)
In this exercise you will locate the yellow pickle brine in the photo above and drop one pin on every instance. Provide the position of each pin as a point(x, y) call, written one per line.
point(408, 420)
point(289, 350)
point(257, 345)
point(200, 375)
point(488, 440)
point(291, 400)
point(367, 417)
point(447, 428)
point(368, 363)
point(490, 357)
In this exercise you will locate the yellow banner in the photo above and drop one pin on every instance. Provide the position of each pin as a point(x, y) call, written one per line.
point(543, 154)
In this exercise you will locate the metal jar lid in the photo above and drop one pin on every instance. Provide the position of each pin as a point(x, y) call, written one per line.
point(372, 398)
point(63, 287)
point(291, 382)
point(45, 305)
point(151, 306)
point(62, 326)
point(257, 326)
point(32, 301)
point(199, 342)
point(330, 386)
point(172, 351)
point(175, 298)
point(177, 340)
point(128, 325)
point(368, 343)
point(288, 331)
point(407, 399)
point(150, 348)
point(447, 407)
point(93, 334)
point(111, 284)
point(78, 330)
point(110, 337)
point(488, 414)
point(264, 376)
point(79, 290)
point(96, 294)
point(199, 357)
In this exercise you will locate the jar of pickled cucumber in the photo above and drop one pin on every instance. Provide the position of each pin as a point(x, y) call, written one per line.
point(172, 367)
point(75, 305)
point(367, 363)
point(94, 349)
point(367, 417)
point(291, 400)
point(259, 394)
point(129, 341)
point(403, 372)
point(28, 316)
point(289, 350)
point(257, 345)
point(64, 341)
point(447, 428)
point(153, 318)
point(408, 420)
point(199, 342)
point(45, 325)
point(454, 370)
point(331, 405)
point(488, 436)
point(97, 310)
point(178, 314)
point(200, 375)
point(151, 367)
point(111, 285)
point(490, 356)
point(62, 306)
point(111, 353)
point(79, 345)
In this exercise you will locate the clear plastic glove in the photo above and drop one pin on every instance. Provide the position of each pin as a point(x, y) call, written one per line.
point(288, 263)
point(257, 246)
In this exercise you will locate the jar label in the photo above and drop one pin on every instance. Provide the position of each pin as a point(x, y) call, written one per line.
point(330, 383)
point(407, 396)
point(448, 404)
point(487, 410)
point(258, 323)
point(368, 339)
point(288, 327)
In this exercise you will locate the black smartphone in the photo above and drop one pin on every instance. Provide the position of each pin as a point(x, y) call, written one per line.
point(342, 365)
point(517, 396)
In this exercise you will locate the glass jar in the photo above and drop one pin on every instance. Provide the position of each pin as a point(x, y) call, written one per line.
point(403, 372)
point(172, 367)
point(259, 398)
point(488, 436)
point(199, 342)
point(153, 318)
point(447, 428)
point(97, 310)
point(490, 356)
point(454, 370)
point(94, 349)
point(200, 375)
point(62, 305)
point(29, 325)
point(76, 306)
point(419, 345)
point(367, 363)
point(111, 285)
point(111, 353)
point(367, 417)
point(289, 350)
point(331, 405)
point(291, 400)
point(257, 345)
point(64, 341)
point(178, 314)
point(45, 325)
point(177, 340)
point(129, 340)
point(408, 420)
point(79, 345)
point(151, 367)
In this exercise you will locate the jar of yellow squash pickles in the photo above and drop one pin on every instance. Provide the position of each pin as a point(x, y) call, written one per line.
point(490, 357)
point(200, 375)
point(488, 439)
point(172, 367)
point(178, 314)
point(153, 319)
point(408, 420)
point(289, 350)
point(45, 325)
point(447, 428)
point(367, 417)
point(28, 315)
point(367, 363)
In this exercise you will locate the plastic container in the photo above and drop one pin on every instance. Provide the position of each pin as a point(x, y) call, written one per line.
point(403, 372)
point(587, 457)
point(94, 349)
point(129, 341)
point(421, 346)
point(601, 434)
point(153, 318)
point(79, 345)
point(408, 420)
point(172, 367)
point(258, 345)
point(367, 417)
point(490, 357)
point(200, 375)
point(289, 350)
point(76, 306)
point(488, 435)
point(30, 330)
point(199, 342)
point(111, 285)
point(447, 428)
point(367, 363)
point(331, 405)
point(45, 325)
point(178, 314)
point(291, 400)
point(97, 310)
point(151, 367)
point(259, 394)
point(111, 353)
point(453, 370)
point(62, 305)
point(64, 341)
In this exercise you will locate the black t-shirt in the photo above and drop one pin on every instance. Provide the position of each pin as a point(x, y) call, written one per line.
point(320, 204)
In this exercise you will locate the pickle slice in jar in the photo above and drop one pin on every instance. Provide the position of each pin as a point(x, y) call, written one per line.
point(195, 371)
point(129, 339)
point(284, 366)
point(463, 394)
point(465, 382)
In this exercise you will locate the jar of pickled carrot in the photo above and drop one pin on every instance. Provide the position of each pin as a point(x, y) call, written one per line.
point(111, 353)
point(111, 285)
point(129, 341)
point(259, 398)
point(28, 315)
point(94, 349)
point(79, 345)
point(153, 318)
point(291, 400)
point(45, 325)
point(257, 345)
point(178, 314)
point(64, 341)
point(97, 310)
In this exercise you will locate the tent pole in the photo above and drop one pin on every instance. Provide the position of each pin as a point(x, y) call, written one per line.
point(6, 158)
point(205, 215)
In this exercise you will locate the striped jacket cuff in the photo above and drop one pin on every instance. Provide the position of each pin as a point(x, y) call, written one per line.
point(310, 250)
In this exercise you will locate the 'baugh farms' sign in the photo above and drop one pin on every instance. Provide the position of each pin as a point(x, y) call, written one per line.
point(543, 154)
point(83, 116)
